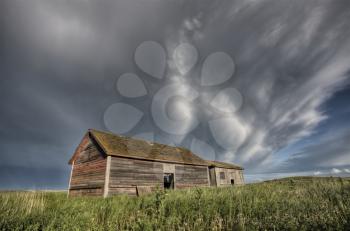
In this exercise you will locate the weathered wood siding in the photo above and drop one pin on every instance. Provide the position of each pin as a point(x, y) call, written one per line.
point(187, 176)
point(89, 168)
point(230, 174)
point(212, 176)
point(131, 176)
point(127, 174)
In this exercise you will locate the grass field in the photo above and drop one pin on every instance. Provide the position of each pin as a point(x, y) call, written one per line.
point(302, 203)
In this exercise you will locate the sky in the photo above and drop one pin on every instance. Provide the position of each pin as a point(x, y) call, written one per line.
point(263, 84)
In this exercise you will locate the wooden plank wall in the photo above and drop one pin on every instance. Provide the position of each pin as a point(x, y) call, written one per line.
point(88, 173)
point(187, 176)
point(126, 174)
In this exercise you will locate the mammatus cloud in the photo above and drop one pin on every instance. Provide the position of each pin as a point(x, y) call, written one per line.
point(290, 66)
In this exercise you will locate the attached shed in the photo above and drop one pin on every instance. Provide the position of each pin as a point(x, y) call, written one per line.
point(224, 174)
point(106, 164)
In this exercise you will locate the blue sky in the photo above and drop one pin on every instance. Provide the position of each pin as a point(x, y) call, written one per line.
point(263, 84)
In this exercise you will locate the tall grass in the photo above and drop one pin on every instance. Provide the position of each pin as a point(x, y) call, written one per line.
point(291, 204)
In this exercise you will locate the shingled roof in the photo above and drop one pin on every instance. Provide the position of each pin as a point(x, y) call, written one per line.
point(121, 146)
point(219, 164)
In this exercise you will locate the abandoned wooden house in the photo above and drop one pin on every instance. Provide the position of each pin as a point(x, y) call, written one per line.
point(106, 164)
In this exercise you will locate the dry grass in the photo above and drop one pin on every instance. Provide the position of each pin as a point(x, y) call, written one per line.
point(289, 204)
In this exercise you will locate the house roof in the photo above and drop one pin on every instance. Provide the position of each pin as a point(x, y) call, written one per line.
point(121, 146)
point(219, 164)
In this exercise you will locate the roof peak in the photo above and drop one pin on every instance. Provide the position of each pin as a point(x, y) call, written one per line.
point(139, 139)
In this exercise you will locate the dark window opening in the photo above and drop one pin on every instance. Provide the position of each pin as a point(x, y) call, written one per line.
point(222, 175)
point(232, 181)
point(169, 180)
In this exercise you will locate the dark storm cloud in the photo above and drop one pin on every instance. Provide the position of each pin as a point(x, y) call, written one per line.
point(60, 61)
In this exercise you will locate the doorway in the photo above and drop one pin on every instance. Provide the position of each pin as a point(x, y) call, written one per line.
point(168, 180)
point(232, 181)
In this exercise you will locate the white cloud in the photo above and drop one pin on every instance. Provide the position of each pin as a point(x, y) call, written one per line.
point(202, 149)
point(230, 133)
point(280, 103)
point(164, 105)
point(346, 170)
point(327, 151)
point(282, 95)
point(336, 171)
point(317, 173)
point(305, 33)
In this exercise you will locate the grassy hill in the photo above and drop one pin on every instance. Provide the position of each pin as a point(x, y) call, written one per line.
point(299, 203)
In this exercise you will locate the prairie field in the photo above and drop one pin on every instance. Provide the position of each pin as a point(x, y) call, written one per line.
point(299, 203)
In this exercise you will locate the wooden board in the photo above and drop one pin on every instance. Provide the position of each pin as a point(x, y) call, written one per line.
point(187, 176)
point(133, 173)
point(129, 190)
point(86, 192)
point(144, 190)
point(88, 174)
point(212, 177)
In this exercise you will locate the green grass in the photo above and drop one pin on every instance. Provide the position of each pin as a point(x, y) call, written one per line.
point(301, 203)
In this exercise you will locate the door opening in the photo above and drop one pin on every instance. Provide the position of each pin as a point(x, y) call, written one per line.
point(232, 181)
point(168, 180)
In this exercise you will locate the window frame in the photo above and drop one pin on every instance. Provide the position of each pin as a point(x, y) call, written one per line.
point(222, 176)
